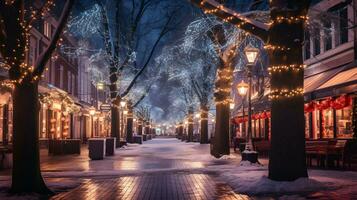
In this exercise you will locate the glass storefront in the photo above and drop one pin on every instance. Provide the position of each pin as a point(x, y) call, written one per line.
point(315, 124)
point(327, 123)
point(344, 122)
point(307, 125)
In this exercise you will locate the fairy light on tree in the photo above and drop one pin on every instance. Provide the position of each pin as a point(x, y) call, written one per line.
point(14, 42)
point(287, 155)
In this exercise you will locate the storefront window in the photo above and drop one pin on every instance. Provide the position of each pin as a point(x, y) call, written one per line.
point(307, 125)
point(344, 122)
point(327, 123)
point(256, 128)
point(262, 128)
point(316, 124)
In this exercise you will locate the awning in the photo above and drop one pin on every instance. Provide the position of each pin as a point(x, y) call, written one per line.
point(345, 77)
point(311, 83)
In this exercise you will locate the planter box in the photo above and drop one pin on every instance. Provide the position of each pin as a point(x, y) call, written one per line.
point(96, 148)
point(64, 147)
point(138, 139)
point(110, 144)
point(148, 137)
point(144, 137)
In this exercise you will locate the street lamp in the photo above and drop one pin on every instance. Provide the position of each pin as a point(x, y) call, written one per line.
point(231, 106)
point(251, 54)
point(100, 86)
point(242, 88)
point(122, 104)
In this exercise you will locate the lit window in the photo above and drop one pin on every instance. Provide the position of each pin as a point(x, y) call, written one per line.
point(47, 29)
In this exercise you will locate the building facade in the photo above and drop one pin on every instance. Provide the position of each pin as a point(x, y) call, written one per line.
point(69, 100)
point(330, 76)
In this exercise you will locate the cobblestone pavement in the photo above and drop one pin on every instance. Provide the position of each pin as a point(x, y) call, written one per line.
point(165, 186)
point(162, 169)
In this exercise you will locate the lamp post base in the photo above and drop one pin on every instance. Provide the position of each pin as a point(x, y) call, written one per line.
point(251, 156)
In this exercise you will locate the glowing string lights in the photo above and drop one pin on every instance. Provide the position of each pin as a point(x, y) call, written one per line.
point(285, 93)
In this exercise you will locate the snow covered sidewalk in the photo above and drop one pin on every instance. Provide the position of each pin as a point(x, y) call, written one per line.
point(171, 156)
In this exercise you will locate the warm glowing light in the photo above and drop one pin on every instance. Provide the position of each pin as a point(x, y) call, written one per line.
point(251, 54)
point(92, 111)
point(231, 106)
point(123, 104)
point(100, 86)
point(242, 88)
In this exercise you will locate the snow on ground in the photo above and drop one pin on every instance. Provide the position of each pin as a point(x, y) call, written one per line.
point(170, 155)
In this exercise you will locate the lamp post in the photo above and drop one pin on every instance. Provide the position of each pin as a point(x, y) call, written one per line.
point(231, 107)
point(92, 113)
point(122, 105)
point(251, 55)
point(242, 88)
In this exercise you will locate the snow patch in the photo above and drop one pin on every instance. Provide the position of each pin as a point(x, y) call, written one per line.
point(246, 163)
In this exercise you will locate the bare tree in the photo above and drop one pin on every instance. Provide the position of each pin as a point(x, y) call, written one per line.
point(14, 36)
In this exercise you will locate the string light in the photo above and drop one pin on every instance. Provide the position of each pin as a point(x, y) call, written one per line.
point(16, 56)
point(281, 68)
point(276, 47)
point(291, 19)
point(285, 93)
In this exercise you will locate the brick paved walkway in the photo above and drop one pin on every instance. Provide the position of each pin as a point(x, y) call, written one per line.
point(165, 186)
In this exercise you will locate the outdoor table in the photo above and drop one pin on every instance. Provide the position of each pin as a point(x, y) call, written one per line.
point(96, 148)
point(64, 146)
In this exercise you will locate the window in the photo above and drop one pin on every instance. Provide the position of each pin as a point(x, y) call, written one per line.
point(316, 42)
point(73, 84)
point(47, 29)
point(327, 123)
point(343, 29)
point(307, 125)
point(344, 122)
point(327, 35)
point(307, 54)
point(340, 24)
point(69, 81)
point(316, 124)
point(61, 77)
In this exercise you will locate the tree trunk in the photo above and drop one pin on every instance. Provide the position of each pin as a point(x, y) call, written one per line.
point(147, 128)
point(221, 137)
point(140, 127)
point(129, 125)
point(287, 156)
point(190, 125)
point(26, 173)
point(204, 124)
point(115, 118)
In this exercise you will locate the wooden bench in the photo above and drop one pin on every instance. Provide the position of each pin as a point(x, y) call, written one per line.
point(326, 152)
point(262, 147)
point(316, 149)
